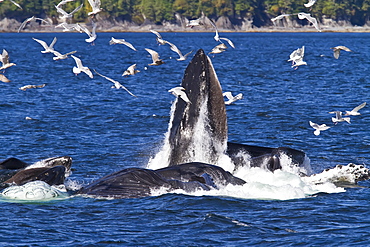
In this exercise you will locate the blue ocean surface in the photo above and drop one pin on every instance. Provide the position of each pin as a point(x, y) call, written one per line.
point(105, 130)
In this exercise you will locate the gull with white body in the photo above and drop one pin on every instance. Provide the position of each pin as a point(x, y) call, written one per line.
point(338, 117)
point(80, 68)
point(297, 57)
point(338, 49)
point(318, 128)
point(230, 98)
point(155, 57)
point(117, 84)
point(131, 70)
point(47, 48)
point(354, 111)
point(175, 49)
point(4, 57)
point(60, 56)
point(179, 92)
point(114, 41)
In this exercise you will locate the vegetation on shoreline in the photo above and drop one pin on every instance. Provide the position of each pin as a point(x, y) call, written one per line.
point(355, 12)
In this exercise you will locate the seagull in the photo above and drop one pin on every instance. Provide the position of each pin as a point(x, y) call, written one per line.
point(114, 41)
point(48, 48)
point(339, 48)
point(92, 35)
point(310, 19)
point(231, 98)
point(310, 3)
point(279, 17)
point(69, 27)
point(180, 92)
point(193, 23)
point(155, 57)
point(24, 88)
point(59, 56)
point(95, 5)
point(338, 117)
point(159, 39)
point(196, 22)
point(218, 49)
point(80, 68)
point(318, 128)
point(28, 20)
point(117, 85)
point(4, 57)
point(175, 49)
point(65, 14)
point(16, 4)
point(218, 38)
point(131, 70)
point(297, 57)
point(64, 2)
point(354, 111)
point(3, 78)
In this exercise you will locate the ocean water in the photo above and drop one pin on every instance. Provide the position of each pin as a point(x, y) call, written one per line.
point(106, 130)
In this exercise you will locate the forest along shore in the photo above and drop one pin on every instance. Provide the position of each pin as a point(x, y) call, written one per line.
point(104, 25)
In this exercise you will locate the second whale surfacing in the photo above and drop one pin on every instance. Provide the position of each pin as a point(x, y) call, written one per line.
point(201, 123)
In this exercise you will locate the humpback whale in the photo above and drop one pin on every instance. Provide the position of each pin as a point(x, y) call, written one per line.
point(52, 171)
point(140, 182)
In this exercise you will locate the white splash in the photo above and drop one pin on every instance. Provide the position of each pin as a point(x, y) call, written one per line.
point(34, 191)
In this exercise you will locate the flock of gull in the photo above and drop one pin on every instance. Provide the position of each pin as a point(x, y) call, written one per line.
point(296, 57)
point(337, 119)
point(92, 36)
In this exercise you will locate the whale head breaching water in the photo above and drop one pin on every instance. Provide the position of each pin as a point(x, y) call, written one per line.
point(198, 131)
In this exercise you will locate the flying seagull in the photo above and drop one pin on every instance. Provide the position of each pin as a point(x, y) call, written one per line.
point(219, 39)
point(354, 111)
point(114, 41)
point(59, 56)
point(279, 17)
point(310, 3)
point(339, 48)
point(3, 78)
point(92, 34)
point(175, 49)
point(117, 84)
point(47, 48)
point(4, 57)
point(28, 20)
point(338, 117)
point(297, 57)
point(65, 14)
point(24, 88)
point(231, 98)
point(16, 4)
point(64, 2)
point(218, 49)
point(159, 38)
point(95, 5)
point(310, 19)
point(155, 57)
point(69, 27)
point(131, 70)
point(180, 92)
point(80, 68)
point(318, 127)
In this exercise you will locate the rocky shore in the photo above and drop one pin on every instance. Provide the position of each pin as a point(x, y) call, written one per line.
point(222, 23)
